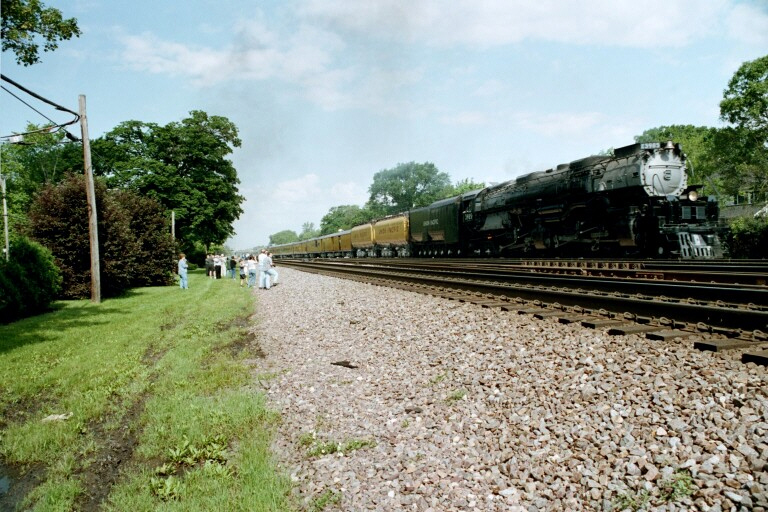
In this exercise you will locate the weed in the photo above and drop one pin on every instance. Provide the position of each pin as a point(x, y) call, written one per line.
point(307, 439)
point(632, 501)
point(319, 448)
point(439, 378)
point(405, 423)
point(328, 497)
point(170, 488)
point(456, 395)
point(678, 486)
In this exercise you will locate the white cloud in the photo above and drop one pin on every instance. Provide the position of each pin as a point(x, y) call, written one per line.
point(297, 190)
point(653, 23)
point(749, 24)
point(559, 124)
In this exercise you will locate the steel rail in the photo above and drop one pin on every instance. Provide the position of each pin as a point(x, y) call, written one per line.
point(615, 295)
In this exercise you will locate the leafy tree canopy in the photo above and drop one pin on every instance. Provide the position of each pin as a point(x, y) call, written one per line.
point(308, 231)
point(406, 186)
point(182, 165)
point(462, 187)
point(135, 246)
point(745, 101)
point(283, 237)
point(25, 21)
point(696, 142)
point(343, 217)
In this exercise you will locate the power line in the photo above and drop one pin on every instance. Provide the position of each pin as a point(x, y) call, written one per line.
point(58, 126)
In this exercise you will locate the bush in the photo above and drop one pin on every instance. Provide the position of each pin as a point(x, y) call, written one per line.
point(748, 238)
point(29, 282)
point(135, 245)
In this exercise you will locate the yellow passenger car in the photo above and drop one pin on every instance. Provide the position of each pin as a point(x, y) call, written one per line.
point(362, 239)
point(390, 236)
point(345, 243)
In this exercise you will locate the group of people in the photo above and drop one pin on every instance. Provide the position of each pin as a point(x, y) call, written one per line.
point(261, 263)
point(216, 264)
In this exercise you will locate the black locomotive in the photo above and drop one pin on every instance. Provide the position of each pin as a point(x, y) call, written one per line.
point(636, 202)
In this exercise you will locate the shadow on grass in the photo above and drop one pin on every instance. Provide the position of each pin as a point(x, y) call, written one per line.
point(62, 317)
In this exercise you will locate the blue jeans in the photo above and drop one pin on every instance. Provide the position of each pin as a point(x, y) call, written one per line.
point(251, 278)
point(273, 273)
point(183, 281)
point(264, 279)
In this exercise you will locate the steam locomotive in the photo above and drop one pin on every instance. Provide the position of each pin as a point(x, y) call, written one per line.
point(636, 202)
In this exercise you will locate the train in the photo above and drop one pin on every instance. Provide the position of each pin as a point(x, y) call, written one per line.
point(635, 202)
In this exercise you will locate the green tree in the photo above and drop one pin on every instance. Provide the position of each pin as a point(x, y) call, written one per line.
point(696, 142)
point(462, 187)
point(283, 237)
point(308, 231)
point(741, 151)
point(406, 186)
point(135, 246)
point(184, 166)
point(745, 101)
point(24, 21)
point(343, 217)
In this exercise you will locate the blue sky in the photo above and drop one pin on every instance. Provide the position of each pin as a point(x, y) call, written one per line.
point(325, 93)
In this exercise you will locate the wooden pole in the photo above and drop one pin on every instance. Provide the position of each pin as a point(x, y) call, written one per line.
point(173, 224)
point(5, 219)
point(90, 193)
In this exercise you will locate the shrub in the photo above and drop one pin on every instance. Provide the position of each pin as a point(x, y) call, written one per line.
point(135, 243)
point(748, 238)
point(29, 281)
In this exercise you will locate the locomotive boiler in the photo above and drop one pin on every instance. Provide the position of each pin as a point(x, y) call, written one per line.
point(635, 202)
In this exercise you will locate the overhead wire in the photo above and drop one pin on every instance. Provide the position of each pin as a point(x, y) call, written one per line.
point(55, 127)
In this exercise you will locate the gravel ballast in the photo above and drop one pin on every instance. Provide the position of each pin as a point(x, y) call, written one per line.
point(393, 400)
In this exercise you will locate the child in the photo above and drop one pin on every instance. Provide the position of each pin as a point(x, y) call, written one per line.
point(243, 266)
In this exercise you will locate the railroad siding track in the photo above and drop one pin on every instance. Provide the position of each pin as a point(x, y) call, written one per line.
point(753, 343)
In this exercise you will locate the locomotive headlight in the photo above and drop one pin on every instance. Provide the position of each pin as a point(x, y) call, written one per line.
point(693, 195)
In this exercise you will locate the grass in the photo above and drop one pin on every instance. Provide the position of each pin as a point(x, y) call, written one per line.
point(154, 380)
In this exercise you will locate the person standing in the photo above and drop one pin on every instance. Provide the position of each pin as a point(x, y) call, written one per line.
point(216, 266)
point(232, 266)
point(271, 270)
point(265, 263)
point(243, 270)
point(209, 265)
point(183, 282)
point(252, 266)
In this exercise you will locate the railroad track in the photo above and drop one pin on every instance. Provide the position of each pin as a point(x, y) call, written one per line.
point(717, 316)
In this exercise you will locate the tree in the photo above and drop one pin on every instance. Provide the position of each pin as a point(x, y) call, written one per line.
point(462, 187)
point(135, 247)
point(308, 231)
point(42, 159)
point(182, 165)
point(745, 102)
point(283, 237)
point(742, 149)
point(406, 186)
point(696, 142)
point(23, 21)
point(343, 217)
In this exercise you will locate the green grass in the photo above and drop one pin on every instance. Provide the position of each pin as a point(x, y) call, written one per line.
point(159, 372)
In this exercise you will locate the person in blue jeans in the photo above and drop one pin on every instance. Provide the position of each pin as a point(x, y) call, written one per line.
point(265, 263)
point(251, 271)
point(183, 282)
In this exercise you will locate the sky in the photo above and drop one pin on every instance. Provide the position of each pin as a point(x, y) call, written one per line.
point(326, 93)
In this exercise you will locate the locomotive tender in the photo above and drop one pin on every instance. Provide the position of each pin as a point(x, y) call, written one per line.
point(636, 202)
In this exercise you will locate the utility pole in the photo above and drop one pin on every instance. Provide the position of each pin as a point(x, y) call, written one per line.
point(5, 219)
point(90, 193)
